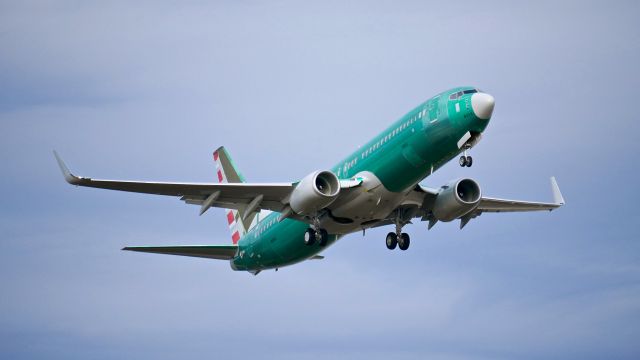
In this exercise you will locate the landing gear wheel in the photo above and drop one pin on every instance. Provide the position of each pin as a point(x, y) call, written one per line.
point(322, 237)
point(404, 241)
point(309, 237)
point(392, 240)
point(466, 161)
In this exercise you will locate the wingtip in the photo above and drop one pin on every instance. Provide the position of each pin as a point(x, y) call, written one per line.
point(68, 176)
point(557, 195)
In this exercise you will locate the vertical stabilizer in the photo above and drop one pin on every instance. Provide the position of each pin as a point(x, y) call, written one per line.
point(226, 172)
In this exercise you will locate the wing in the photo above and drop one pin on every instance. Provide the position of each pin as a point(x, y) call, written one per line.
point(488, 204)
point(219, 252)
point(420, 202)
point(241, 196)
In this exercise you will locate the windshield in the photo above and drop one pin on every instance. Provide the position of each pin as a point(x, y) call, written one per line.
point(460, 93)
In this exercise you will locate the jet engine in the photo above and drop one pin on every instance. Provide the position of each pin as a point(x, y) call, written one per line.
point(314, 192)
point(456, 199)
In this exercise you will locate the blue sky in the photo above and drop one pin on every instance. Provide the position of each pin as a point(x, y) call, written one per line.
point(148, 90)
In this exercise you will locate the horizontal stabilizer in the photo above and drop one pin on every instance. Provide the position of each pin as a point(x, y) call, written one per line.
point(219, 252)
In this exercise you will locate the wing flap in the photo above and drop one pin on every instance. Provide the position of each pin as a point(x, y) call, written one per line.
point(218, 252)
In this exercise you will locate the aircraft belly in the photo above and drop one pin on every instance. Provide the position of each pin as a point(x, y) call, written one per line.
point(369, 202)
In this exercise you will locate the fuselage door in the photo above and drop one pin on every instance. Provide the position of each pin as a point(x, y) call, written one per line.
point(433, 108)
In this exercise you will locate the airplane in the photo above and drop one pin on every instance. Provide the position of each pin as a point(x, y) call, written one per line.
point(279, 224)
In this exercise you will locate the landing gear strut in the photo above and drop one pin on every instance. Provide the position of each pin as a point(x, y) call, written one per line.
point(466, 160)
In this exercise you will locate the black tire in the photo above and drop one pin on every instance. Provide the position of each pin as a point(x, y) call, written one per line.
point(469, 161)
point(403, 241)
point(392, 240)
point(463, 161)
point(309, 237)
point(323, 237)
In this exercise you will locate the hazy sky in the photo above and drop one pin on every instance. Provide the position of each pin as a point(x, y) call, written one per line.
point(148, 89)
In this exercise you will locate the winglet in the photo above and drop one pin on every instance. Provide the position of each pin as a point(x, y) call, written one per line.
point(68, 176)
point(557, 195)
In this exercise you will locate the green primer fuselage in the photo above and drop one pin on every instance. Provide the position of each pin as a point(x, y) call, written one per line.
point(401, 156)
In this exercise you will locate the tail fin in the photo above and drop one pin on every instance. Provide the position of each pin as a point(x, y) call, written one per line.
point(227, 173)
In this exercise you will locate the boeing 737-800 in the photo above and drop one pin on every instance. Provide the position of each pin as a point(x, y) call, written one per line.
point(278, 224)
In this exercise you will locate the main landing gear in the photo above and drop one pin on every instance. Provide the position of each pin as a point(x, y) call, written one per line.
point(401, 241)
point(316, 234)
point(311, 236)
point(398, 238)
point(466, 160)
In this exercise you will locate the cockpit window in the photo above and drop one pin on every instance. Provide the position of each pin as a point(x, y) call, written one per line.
point(460, 93)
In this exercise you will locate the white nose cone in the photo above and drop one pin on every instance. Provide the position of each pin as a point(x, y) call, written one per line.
point(482, 105)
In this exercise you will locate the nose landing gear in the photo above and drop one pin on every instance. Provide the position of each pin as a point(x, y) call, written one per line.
point(466, 160)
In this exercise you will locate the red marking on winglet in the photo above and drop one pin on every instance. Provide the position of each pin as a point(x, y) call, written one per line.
point(230, 217)
point(215, 156)
point(219, 176)
point(235, 237)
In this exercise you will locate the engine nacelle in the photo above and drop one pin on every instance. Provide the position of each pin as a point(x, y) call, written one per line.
point(456, 199)
point(316, 191)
